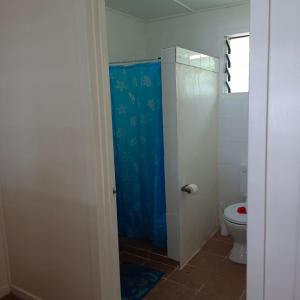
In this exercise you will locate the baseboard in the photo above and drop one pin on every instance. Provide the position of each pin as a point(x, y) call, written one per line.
point(19, 292)
point(4, 291)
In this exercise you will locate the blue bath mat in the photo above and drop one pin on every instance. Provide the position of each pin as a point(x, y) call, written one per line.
point(137, 281)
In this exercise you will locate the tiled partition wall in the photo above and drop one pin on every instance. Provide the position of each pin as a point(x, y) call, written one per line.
point(190, 104)
point(232, 148)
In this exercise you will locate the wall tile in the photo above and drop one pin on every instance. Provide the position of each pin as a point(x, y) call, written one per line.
point(233, 152)
point(233, 129)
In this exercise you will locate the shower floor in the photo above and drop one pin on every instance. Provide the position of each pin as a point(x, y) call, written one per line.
point(133, 250)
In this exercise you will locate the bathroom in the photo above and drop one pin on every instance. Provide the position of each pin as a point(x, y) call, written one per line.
point(141, 33)
point(58, 189)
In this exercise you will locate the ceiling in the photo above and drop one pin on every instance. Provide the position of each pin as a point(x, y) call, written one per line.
point(154, 9)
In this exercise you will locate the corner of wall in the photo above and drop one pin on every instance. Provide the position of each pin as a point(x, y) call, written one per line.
point(23, 294)
point(4, 265)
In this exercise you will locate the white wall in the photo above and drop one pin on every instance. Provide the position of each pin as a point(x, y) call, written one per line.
point(232, 147)
point(49, 152)
point(204, 32)
point(282, 264)
point(126, 36)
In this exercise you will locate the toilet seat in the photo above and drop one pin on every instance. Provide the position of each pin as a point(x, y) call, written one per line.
point(231, 214)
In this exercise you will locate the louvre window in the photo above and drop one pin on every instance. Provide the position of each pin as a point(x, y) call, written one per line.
point(237, 63)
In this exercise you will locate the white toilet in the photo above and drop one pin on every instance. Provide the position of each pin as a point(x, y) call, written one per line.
point(235, 219)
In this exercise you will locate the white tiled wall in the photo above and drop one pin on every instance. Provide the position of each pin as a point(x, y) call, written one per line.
point(190, 104)
point(233, 147)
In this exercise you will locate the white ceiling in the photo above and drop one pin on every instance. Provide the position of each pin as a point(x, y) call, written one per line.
point(153, 9)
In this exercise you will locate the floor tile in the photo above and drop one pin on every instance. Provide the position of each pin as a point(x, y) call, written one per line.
point(201, 296)
point(191, 277)
point(159, 251)
point(167, 290)
point(129, 258)
point(10, 297)
point(226, 239)
point(243, 297)
point(228, 282)
point(214, 246)
point(136, 251)
point(210, 275)
point(163, 259)
point(145, 249)
point(167, 269)
point(206, 260)
point(140, 244)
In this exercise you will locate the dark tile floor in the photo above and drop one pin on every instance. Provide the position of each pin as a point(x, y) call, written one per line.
point(10, 297)
point(210, 275)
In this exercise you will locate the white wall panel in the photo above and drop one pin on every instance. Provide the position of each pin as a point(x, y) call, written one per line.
point(283, 153)
point(126, 36)
point(190, 132)
point(232, 148)
point(51, 180)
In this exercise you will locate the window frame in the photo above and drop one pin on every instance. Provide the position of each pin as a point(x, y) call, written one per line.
point(227, 61)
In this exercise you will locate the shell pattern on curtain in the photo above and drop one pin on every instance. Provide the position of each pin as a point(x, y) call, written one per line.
point(136, 93)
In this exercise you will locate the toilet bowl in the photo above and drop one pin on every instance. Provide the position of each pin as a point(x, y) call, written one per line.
point(236, 223)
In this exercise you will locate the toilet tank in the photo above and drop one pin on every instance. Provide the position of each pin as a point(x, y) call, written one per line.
point(243, 180)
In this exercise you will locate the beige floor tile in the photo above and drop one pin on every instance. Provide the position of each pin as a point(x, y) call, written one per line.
point(167, 290)
point(201, 296)
point(214, 246)
point(198, 272)
point(191, 277)
point(228, 282)
point(226, 239)
point(206, 260)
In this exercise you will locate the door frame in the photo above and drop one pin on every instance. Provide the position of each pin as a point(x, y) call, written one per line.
point(104, 249)
point(258, 112)
point(257, 148)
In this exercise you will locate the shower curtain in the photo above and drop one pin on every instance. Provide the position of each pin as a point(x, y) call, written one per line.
point(136, 94)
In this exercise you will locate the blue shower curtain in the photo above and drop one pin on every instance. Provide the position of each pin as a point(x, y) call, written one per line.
point(138, 146)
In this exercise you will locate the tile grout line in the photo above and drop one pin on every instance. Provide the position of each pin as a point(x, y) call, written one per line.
point(149, 259)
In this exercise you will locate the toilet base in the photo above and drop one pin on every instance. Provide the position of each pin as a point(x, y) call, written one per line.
point(238, 232)
point(238, 253)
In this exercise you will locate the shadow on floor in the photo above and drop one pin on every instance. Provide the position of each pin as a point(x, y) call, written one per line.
point(10, 297)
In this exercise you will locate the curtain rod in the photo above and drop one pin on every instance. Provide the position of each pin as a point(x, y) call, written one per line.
point(135, 61)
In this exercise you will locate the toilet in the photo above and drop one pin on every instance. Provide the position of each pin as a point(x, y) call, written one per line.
point(235, 219)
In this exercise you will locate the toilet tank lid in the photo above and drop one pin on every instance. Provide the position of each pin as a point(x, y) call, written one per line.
point(232, 215)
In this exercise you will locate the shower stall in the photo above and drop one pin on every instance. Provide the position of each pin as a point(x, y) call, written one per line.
point(136, 94)
point(165, 137)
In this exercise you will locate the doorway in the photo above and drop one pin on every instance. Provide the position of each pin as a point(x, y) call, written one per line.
point(198, 171)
